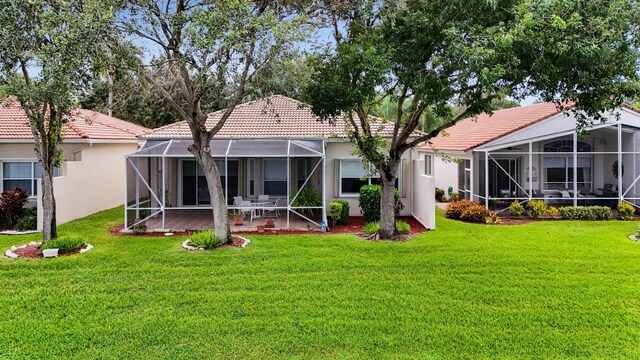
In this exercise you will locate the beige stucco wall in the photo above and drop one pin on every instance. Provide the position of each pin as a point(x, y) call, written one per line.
point(423, 199)
point(92, 184)
point(336, 151)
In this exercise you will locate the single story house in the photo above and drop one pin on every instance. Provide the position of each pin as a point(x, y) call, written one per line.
point(90, 178)
point(535, 151)
point(274, 147)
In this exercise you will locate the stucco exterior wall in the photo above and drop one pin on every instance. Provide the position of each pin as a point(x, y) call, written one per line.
point(336, 151)
point(92, 184)
point(423, 207)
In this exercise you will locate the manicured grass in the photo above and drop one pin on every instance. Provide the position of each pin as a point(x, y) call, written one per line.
point(542, 290)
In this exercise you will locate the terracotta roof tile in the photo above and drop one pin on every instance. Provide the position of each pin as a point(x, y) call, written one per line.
point(84, 124)
point(470, 133)
point(275, 116)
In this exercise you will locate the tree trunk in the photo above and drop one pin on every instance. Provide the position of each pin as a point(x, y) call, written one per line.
point(388, 205)
point(48, 201)
point(218, 200)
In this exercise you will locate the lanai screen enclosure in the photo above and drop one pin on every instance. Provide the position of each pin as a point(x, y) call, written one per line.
point(163, 177)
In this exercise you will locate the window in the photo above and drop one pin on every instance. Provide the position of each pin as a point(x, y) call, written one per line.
point(275, 176)
point(24, 175)
point(559, 173)
point(302, 171)
point(353, 175)
point(558, 169)
point(428, 165)
point(251, 177)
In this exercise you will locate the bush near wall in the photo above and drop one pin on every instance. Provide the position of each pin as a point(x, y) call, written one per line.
point(439, 195)
point(455, 209)
point(475, 213)
point(625, 210)
point(369, 200)
point(344, 216)
point(585, 212)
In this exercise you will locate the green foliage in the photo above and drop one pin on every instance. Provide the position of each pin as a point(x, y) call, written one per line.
point(369, 199)
point(638, 231)
point(585, 212)
point(205, 239)
point(28, 220)
point(12, 203)
point(517, 210)
point(138, 228)
point(403, 227)
point(625, 211)
point(439, 195)
point(455, 209)
point(335, 211)
point(344, 216)
point(536, 208)
point(65, 243)
point(475, 213)
point(371, 228)
point(552, 211)
point(308, 197)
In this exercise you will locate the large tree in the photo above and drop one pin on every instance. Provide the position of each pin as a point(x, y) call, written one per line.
point(212, 51)
point(427, 54)
point(48, 51)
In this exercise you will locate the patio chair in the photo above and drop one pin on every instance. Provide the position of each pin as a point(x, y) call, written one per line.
point(263, 198)
point(273, 212)
point(237, 200)
point(247, 207)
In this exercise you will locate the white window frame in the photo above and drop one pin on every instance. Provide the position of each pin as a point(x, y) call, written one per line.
point(264, 180)
point(428, 165)
point(354, 195)
point(33, 180)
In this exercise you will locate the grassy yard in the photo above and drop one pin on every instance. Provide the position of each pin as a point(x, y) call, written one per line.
point(542, 290)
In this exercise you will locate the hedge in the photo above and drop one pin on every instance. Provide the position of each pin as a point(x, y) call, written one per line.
point(585, 212)
point(369, 200)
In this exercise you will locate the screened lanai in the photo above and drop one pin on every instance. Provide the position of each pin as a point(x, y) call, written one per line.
point(167, 190)
point(554, 163)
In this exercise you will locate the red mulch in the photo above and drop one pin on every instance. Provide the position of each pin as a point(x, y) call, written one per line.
point(356, 223)
point(33, 252)
point(235, 242)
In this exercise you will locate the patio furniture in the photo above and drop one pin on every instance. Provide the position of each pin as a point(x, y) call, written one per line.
point(274, 211)
point(263, 198)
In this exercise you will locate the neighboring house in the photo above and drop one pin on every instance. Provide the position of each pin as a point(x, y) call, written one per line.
point(90, 178)
point(273, 146)
point(535, 152)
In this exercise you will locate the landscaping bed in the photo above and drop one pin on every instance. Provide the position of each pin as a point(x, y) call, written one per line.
point(356, 224)
point(32, 251)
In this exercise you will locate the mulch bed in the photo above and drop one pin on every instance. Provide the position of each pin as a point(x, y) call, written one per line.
point(235, 242)
point(356, 223)
point(33, 252)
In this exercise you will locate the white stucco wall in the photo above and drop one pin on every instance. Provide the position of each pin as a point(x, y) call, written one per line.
point(423, 204)
point(92, 184)
point(336, 151)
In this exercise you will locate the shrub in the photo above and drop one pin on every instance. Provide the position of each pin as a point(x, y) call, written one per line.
point(26, 223)
point(205, 239)
point(335, 211)
point(11, 204)
point(454, 197)
point(371, 228)
point(625, 210)
point(516, 209)
point(439, 195)
point(344, 217)
point(536, 208)
point(403, 227)
point(475, 213)
point(308, 197)
point(585, 213)
point(369, 200)
point(455, 209)
point(139, 228)
point(552, 211)
point(64, 243)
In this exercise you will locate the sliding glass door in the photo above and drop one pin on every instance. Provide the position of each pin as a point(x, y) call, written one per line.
point(194, 184)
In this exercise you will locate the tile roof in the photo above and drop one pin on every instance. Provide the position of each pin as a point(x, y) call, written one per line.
point(84, 124)
point(276, 117)
point(470, 133)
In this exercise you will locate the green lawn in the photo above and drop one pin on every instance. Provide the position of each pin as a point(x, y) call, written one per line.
point(542, 290)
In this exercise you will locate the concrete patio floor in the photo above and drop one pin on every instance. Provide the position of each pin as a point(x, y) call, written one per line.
point(181, 219)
